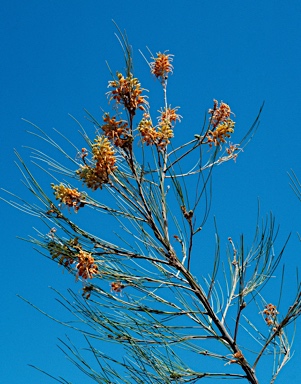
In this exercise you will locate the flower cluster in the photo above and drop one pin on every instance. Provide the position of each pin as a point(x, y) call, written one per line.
point(161, 66)
point(221, 132)
point(270, 312)
point(165, 129)
point(219, 113)
point(116, 130)
point(221, 124)
point(71, 252)
point(160, 134)
point(148, 132)
point(104, 164)
point(68, 196)
point(86, 266)
point(128, 93)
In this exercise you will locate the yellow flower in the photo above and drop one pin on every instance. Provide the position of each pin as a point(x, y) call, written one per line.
point(104, 164)
point(103, 154)
point(165, 126)
point(148, 132)
point(160, 134)
point(221, 132)
point(68, 196)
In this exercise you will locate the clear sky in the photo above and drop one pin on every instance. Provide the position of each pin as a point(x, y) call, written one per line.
point(53, 64)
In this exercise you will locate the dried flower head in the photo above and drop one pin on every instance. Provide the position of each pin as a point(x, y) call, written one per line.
point(187, 214)
point(233, 149)
point(270, 312)
point(117, 286)
point(68, 196)
point(104, 164)
point(238, 355)
point(127, 92)
point(161, 66)
point(87, 289)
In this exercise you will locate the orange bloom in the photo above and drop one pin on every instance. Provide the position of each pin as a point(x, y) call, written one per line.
point(219, 113)
point(116, 130)
point(161, 66)
point(160, 134)
point(221, 132)
point(220, 123)
point(68, 196)
point(165, 125)
point(104, 164)
point(86, 267)
point(148, 132)
point(128, 93)
point(170, 114)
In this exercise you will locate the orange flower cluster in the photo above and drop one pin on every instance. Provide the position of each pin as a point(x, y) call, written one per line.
point(86, 266)
point(221, 124)
point(170, 115)
point(70, 252)
point(219, 113)
point(68, 196)
point(128, 93)
point(104, 158)
point(270, 312)
point(116, 130)
point(148, 132)
point(221, 132)
point(164, 132)
point(162, 66)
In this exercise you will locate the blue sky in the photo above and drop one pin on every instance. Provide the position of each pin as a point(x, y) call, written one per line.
point(53, 64)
